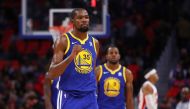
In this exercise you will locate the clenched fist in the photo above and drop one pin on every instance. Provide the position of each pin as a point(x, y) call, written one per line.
point(76, 49)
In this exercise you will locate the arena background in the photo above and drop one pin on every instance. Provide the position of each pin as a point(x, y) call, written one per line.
point(149, 33)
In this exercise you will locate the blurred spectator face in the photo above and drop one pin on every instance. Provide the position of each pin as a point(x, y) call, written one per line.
point(29, 86)
point(184, 52)
point(185, 94)
point(178, 67)
point(30, 100)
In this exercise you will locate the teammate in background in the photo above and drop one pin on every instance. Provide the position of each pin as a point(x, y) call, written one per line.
point(148, 95)
point(115, 83)
point(73, 66)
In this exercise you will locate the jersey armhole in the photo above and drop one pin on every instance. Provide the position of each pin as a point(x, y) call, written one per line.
point(124, 74)
point(100, 75)
point(68, 43)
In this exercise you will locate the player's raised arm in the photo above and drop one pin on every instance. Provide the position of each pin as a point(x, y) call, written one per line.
point(58, 65)
point(129, 90)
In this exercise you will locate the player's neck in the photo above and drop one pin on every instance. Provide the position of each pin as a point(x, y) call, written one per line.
point(112, 66)
point(80, 35)
point(152, 81)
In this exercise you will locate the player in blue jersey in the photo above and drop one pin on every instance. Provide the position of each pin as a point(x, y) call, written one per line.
point(115, 87)
point(73, 66)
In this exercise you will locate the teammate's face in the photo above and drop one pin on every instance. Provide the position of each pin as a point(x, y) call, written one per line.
point(113, 55)
point(81, 20)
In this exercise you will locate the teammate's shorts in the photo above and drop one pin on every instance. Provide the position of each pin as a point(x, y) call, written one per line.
point(68, 101)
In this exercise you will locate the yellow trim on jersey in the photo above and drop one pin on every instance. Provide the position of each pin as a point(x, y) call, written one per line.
point(94, 43)
point(112, 71)
point(81, 41)
point(51, 81)
point(100, 75)
point(124, 73)
point(68, 43)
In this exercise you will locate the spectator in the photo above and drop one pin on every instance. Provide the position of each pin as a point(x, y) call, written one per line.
point(31, 101)
point(184, 102)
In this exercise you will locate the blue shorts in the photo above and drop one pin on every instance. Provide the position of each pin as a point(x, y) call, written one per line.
point(67, 101)
point(54, 93)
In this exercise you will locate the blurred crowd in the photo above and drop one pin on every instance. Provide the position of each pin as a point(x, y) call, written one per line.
point(179, 80)
point(140, 28)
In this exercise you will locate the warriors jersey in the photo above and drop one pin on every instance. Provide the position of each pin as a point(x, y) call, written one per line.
point(79, 77)
point(142, 102)
point(111, 88)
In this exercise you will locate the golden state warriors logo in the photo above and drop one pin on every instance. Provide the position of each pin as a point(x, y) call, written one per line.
point(83, 62)
point(112, 87)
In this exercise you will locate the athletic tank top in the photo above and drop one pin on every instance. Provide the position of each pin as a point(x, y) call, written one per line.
point(79, 76)
point(111, 88)
point(142, 102)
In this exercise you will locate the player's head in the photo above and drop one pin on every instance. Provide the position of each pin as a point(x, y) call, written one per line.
point(80, 19)
point(112, 54)
point(152, 75)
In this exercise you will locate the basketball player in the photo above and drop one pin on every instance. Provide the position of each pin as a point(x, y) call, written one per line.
point(115, 88)
point(73, 64)
point(148, 95)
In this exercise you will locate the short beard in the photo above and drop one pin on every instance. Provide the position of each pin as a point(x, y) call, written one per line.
point(83, 29)
point(113, 62)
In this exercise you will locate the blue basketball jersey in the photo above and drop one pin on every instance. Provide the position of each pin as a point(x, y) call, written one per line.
point(79, 76)
point(111, 88)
